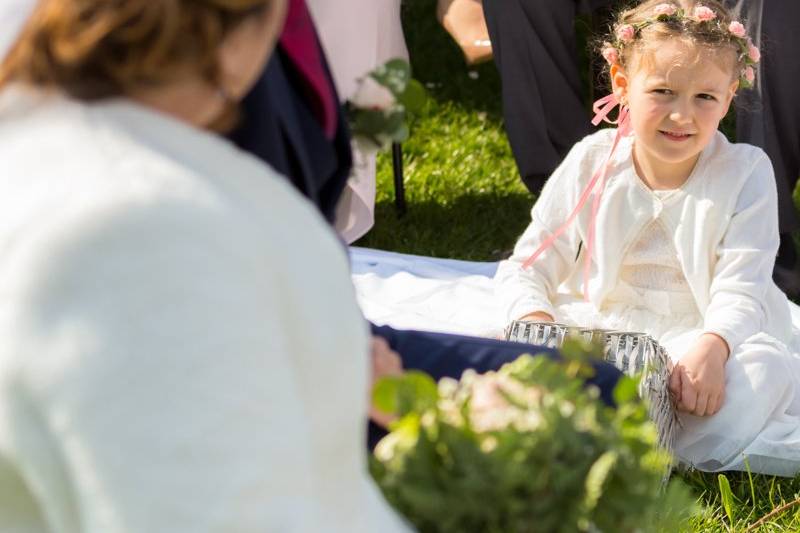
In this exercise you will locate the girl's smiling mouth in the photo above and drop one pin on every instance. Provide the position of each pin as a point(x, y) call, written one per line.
point(676, 136)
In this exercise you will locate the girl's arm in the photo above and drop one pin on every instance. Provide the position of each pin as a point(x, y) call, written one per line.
point(528, 291)
point(744, 261)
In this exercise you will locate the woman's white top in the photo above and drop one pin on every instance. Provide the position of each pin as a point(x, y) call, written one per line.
point(182, 350)
point(722, 223)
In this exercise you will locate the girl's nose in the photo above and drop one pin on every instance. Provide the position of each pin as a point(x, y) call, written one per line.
point(680, 113)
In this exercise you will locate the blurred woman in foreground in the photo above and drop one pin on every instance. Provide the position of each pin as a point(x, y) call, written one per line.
point(172, 360)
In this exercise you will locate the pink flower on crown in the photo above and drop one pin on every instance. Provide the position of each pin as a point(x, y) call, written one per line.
point(749, 74)
point(737, 29)
point(753, 53)
point(665, 9)
point(611, 55)
point(704, 14)
point(626, 33)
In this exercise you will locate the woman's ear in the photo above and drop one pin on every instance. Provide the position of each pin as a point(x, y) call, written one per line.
point(619, 81)
point(246, 49)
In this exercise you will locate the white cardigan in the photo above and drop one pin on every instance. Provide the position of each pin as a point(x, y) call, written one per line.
point(181, 347)
point(724, 223)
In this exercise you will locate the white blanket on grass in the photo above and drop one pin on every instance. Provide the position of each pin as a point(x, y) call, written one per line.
point(416, 292)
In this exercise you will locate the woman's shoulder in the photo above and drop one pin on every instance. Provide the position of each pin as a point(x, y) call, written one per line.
point(117, 165)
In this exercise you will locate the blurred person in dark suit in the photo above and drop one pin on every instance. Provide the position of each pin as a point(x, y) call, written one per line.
point(535, 51)
point(769, 116)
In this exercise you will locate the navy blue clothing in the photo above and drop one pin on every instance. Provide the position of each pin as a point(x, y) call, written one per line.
point(444, 355)
point(279, 127)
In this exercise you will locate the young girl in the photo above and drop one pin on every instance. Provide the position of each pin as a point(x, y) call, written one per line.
point(662, 226)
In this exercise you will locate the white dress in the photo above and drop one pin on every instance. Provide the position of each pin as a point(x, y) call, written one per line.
point(758, 425)
point(173, 359)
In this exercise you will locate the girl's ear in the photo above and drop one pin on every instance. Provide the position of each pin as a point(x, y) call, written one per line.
point(619, 81)
point(731, 93)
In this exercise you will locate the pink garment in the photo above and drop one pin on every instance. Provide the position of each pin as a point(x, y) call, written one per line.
point(357, 36)
point(299, 41)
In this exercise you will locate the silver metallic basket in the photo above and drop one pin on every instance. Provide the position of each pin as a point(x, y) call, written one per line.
point(632, 353)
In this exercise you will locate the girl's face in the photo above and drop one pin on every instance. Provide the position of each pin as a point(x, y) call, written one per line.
point(677, 97)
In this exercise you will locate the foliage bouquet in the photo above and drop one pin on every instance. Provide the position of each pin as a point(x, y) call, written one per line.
point(525, 449)
point(378, 112)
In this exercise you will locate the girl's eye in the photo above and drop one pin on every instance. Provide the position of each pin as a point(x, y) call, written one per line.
point(663, 91)
point(708, 97)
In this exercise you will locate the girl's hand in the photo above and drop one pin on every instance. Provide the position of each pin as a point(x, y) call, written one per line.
point(698, 379)
point(538, 316)
point(385, 362)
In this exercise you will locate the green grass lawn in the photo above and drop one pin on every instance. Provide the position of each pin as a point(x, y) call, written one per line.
point(465, 200)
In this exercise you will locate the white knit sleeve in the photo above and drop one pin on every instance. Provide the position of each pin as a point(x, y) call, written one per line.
point(160, 376)
point(744, 260)
point(523, 291)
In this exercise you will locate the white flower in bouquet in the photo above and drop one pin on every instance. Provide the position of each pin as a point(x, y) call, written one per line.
point(500, 402)
point(380, 110)
point(373, 95)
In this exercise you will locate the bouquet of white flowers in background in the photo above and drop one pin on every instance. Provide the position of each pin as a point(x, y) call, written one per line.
point(378, 112)
point(525, 449)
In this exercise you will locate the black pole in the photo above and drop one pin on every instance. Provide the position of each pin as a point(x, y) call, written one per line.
point(399, 186)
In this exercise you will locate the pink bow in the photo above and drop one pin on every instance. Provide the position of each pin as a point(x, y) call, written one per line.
point(601, 108)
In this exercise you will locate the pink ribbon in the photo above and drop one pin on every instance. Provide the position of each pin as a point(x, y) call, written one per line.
point(602, 108)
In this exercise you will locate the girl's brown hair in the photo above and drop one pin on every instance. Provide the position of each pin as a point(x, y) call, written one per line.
point(100, 48)
point(714, 37)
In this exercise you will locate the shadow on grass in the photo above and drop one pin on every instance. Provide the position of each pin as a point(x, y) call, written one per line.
point(476, 227)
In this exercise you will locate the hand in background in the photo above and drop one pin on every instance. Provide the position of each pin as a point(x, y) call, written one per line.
point(385, 362)
point(538, 316)
point(698, 379)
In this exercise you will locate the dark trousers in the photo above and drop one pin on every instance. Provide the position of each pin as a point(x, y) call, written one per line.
point(536, 54)
point(769, 116)
point(444, 355)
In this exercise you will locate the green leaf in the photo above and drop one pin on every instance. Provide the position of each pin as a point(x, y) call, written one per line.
point(403, 437)
point(385, 394)
point(414, 97)
point(400, 395)
point(626, 390)
point(418, 392)
point(368, 122)
point(394, 75)
point(400, 134)
point(596, 478)
point(394, 123)
point(726, 493)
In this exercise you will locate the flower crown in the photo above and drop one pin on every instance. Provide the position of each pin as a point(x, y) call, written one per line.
point(749, 54)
